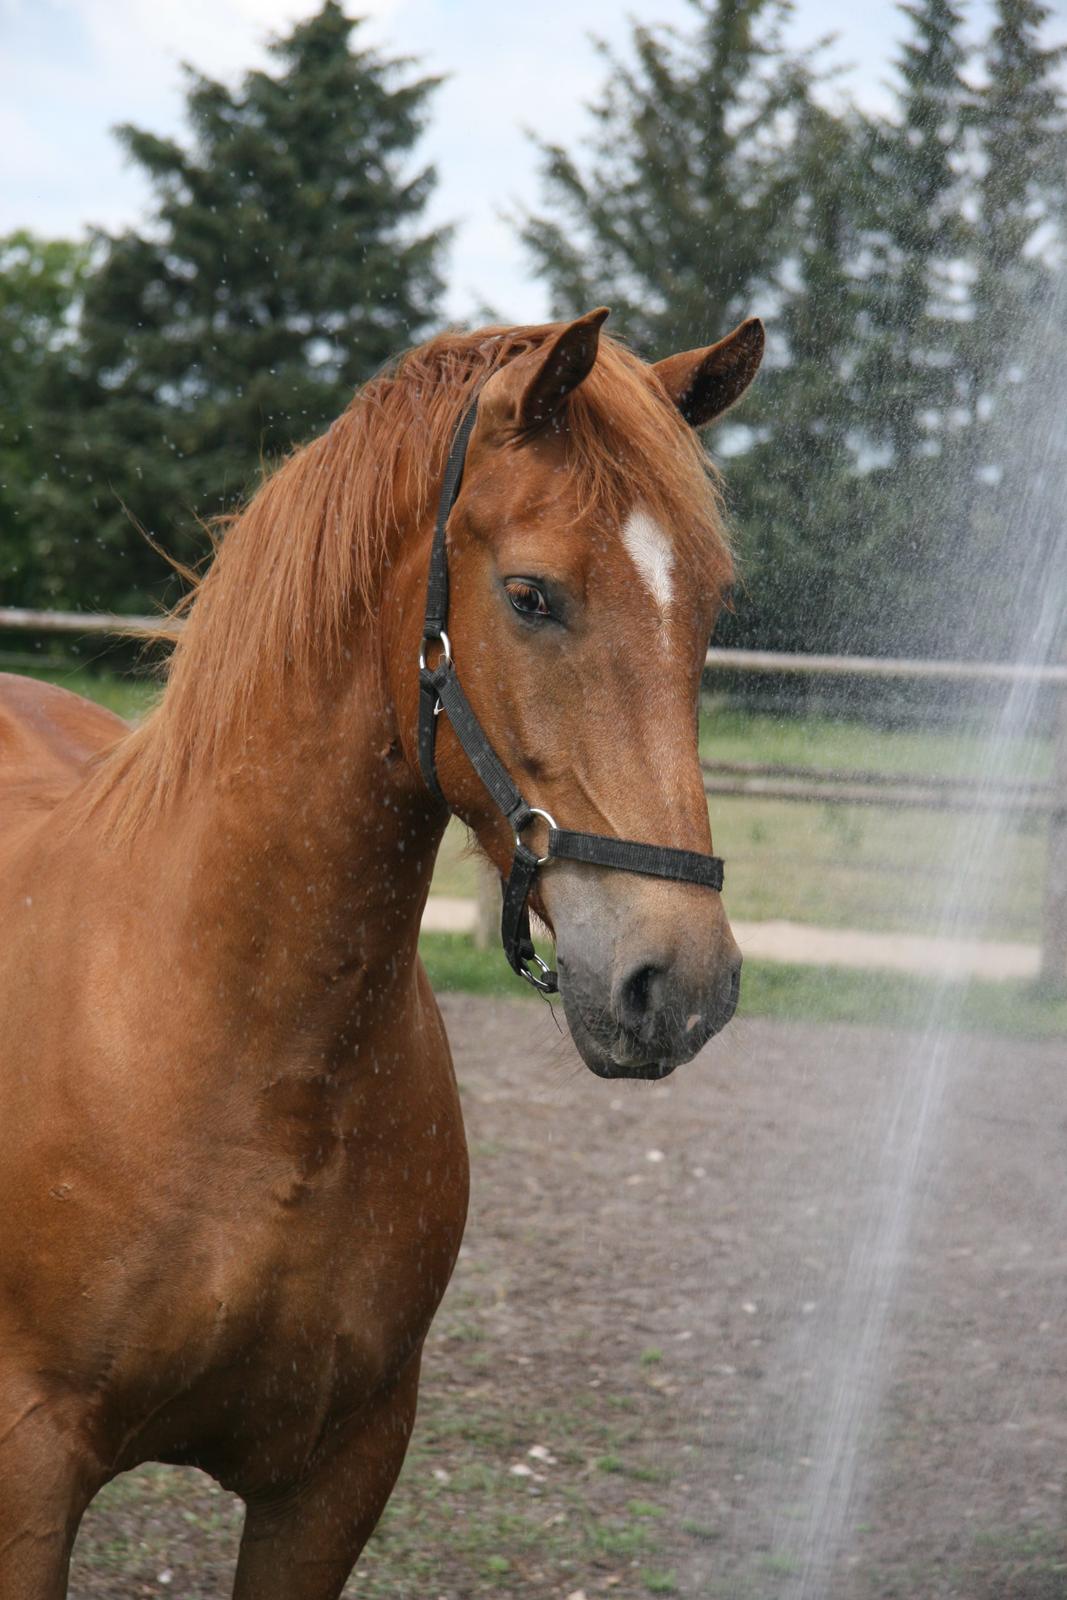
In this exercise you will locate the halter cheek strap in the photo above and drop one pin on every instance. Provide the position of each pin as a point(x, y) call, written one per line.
point(440, 692)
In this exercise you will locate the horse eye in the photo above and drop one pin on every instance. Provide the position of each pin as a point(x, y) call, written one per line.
point(526, 598)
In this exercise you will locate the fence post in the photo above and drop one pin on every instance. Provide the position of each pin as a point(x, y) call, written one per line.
point(1054, 919)
point(487, 903)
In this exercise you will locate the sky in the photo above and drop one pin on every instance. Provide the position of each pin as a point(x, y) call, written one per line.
point(71, 69)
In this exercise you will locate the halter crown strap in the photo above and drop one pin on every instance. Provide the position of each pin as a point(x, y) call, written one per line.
point(437, 583)
point(440, 692)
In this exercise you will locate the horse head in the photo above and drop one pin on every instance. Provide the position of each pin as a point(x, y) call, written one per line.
point(587, 565)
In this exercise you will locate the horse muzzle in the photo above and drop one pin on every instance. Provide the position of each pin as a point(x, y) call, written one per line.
point(650, 1015)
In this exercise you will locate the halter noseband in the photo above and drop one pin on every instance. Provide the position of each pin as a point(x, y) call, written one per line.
point(440, 690)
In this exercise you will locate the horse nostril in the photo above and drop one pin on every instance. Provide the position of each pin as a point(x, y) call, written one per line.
point(640, 995)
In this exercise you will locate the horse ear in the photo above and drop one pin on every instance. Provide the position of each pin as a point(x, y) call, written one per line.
point(533, 387)
point(704, 383)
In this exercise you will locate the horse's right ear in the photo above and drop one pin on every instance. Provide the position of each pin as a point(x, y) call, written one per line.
point(532, 388)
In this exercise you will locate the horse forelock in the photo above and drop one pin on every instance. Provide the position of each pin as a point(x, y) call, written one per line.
point(298, 571)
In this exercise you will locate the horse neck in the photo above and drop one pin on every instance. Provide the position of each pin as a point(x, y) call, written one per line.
point(303, 858)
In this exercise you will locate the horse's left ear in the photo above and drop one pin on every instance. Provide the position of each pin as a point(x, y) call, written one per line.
point(704, 383)
point(529, 390)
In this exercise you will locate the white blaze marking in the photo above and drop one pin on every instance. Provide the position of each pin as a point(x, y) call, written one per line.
point(648, 549)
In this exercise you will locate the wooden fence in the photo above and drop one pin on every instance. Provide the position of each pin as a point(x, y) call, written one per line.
point(935, 793)
point(853, 787)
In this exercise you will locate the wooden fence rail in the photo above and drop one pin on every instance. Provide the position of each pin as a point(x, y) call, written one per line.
point(937, 792)
point(16, 619)
point(899, 667)
point(813, 785)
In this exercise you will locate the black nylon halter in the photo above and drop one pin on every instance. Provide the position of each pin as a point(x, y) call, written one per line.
point(440, 691)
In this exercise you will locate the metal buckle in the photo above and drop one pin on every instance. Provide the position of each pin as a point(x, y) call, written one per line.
point(535, 811)
point(446, 646)
point(532, 978)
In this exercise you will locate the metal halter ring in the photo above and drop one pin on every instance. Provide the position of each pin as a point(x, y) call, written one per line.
point(539, 983)
point(446, 645)
point(531, 812)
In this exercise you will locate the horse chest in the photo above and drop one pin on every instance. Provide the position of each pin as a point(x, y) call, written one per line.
point(364, 1254)
point(317, 1280)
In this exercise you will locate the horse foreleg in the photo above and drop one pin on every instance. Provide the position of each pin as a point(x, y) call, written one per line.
point(44, 1490)
point(302, 1545)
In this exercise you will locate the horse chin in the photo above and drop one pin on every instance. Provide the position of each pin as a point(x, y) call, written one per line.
point(646, 1071)
point(617, 1057)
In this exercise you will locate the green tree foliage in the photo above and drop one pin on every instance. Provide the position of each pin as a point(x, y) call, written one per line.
point(808, 518)
point(912, 205)
point(892, 260)
point(685, 207)
point(1022, 193)
point(282, 267)
point(40, 286)
point(1021, 124)
point(716, 187)
point(913, 307)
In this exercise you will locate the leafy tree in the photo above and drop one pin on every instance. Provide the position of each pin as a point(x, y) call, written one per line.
point(41, 282)
point(282, 266)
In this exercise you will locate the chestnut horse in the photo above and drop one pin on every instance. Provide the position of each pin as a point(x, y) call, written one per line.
point(234, 1176)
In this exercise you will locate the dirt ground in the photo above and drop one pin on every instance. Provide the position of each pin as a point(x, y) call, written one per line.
point(634, 1385)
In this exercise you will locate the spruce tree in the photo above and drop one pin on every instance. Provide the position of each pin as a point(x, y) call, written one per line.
point(717, 187)
point(679, 218)
point(809, 569)
point(282, 266)
point(1021, 235)
point(1022, 125)
point(1017, 191)
point(916, 227)
point(911, 378)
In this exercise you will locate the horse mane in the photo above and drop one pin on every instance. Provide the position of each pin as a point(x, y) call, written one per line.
point(299, 568)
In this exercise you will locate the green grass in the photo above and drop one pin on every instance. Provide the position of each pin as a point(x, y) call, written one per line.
point(129, 697)
point(803, 994)
point(1013, 1008)
point(1016, 1564)
point(847, 866)
point(868, 867)
point(833, 743)
point(459, 1522)
point(455, 965)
